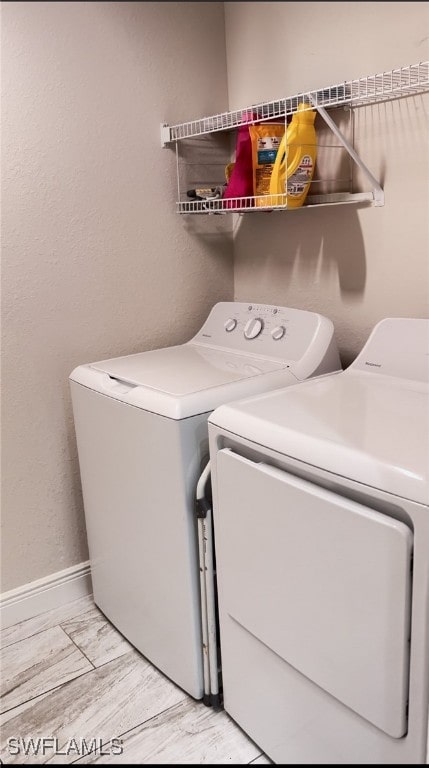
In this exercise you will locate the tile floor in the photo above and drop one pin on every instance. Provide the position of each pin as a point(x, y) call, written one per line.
point(67, 676)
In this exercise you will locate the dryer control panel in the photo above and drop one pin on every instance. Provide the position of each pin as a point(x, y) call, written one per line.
point(280, 333)
point(399, 347)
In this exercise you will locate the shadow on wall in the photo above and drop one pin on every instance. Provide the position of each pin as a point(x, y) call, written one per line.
point(302, 254)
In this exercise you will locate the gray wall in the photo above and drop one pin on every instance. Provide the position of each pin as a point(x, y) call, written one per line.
point(95, 261)
point(352, 264)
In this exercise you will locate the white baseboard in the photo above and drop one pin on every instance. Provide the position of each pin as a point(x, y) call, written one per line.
point(44, 594)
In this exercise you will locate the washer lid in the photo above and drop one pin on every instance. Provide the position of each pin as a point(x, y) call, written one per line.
point(184, 369)
point(183, 381)
point(370, 428)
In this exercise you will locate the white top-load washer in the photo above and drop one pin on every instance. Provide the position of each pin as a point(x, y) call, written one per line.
point(141, 428)
point(321, 514)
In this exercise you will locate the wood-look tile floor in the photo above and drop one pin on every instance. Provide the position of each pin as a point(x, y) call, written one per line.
point(79, 690)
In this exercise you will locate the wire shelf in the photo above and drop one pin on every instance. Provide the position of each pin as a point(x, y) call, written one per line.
point(269, 203)
point(386, 86)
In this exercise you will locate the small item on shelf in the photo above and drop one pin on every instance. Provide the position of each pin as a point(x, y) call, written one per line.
point(296, 158)
point(265, 139)
point(206, 193)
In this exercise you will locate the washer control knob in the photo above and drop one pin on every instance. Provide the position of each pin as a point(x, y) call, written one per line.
point(278, 332)
point(230, 324)
point(253, 328)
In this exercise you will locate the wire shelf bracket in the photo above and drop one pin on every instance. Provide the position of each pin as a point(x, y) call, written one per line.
point(377, 191)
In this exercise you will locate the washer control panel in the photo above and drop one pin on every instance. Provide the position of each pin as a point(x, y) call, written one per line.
point(259, 329)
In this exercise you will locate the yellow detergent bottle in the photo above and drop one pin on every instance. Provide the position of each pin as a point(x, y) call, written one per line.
point(296, 157)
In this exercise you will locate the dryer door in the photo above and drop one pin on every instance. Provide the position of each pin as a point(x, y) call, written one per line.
point(321, 580)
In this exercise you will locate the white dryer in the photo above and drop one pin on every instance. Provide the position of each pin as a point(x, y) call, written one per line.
point(320, 505)
point(142, 437)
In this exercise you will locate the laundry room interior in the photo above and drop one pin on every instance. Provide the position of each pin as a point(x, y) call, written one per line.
point(178, 364)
